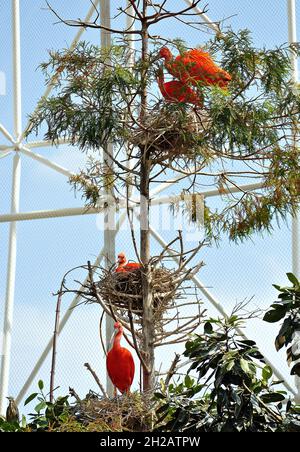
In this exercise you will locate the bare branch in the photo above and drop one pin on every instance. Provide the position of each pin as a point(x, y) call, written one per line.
point(81, 23)
point(96, 378)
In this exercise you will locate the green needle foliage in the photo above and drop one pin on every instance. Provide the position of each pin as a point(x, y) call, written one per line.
point(91, 96)
point(247, 134)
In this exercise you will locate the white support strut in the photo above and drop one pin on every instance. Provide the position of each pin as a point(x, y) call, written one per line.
point(72, 46)
point(219, 307)
point(292, 35)
point(109, 214)
point(16, 146)
point(6, 133)
point(33, 155)
point(74, 211)
point(64, 320)
point(15, 197)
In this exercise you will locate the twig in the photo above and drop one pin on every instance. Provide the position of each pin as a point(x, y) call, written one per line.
point(81, 23)
point(74, 394)
point(261, 403)
point(136, 347)
point(172, 369)
point(54, 346)
point(96, 379)
point(100, 333)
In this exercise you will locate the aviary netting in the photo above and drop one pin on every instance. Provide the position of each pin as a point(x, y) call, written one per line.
point(108, 99)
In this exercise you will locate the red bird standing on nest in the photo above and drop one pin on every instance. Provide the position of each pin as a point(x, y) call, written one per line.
point(177, 91)
point(120, 363)
point(124, 265)
point(195, 67)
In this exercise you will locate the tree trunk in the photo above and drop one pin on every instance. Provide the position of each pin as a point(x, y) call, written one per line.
point(148, 326)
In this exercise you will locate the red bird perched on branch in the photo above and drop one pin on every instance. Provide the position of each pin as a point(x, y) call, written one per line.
point(195, 67)
point(177, 91)
point(124, 266)
point(120, 363)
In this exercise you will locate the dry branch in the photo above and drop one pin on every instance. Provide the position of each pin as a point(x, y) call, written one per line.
point(96, 378)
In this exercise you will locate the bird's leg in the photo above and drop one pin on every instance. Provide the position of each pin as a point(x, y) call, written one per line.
point(115, 392)
point(126, 393)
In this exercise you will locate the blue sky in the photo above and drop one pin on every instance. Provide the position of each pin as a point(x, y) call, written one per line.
point(46, 249)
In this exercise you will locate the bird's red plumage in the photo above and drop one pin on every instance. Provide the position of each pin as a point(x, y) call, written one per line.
point(125, 266)
point(120, 368)
point(120, 363)
point(177, 91)
point(195, 67)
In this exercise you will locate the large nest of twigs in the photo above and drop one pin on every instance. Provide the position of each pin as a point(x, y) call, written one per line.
point(123, 291)
point(171, 135)
point(130, 412)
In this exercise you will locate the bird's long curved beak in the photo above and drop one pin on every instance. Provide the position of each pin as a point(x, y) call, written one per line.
point(112, 339)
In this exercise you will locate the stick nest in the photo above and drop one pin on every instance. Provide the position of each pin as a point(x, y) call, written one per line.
point(123, 290)
point(130, 412)
point(171, 135)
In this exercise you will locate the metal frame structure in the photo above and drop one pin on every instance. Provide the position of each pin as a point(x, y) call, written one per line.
point(19, 149)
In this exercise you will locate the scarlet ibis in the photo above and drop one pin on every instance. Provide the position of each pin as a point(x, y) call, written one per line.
point(120, 363)
point(195, 66)
point(124, 266)
point(177, 91)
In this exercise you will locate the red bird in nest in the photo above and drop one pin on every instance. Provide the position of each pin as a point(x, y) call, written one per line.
point(177, 91)
point(120, 363)
point(124, 265)
point(195, 67)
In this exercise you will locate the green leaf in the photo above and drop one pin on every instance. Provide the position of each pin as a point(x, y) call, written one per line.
point(230, 365)
point(296, 370)
point(272, 397)
point(293, 279)
point(285, 334)
point(245, 366)
point(267, 372)
point(288, 406)
point(188, 381)
point(159, 395)
point(208, 329)
point(40, 406)
point(247, 342)
point(30, 398)
point(275, 314)
point(163, 408)
point(23, 423)
point(41, 385)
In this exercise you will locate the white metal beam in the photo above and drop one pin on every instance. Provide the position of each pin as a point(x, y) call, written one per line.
point(212, 25)
point(72, 46)
point(6, 133)
point(46, 143)
point(292, 36)
point(109, 215)
point(4, 147)
point(74, 211)
point(45, 214)
point(41, 159)
point(15, 197)
point(5, 154)
point(206, 194)
point(218, 306)
point(62, 324)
